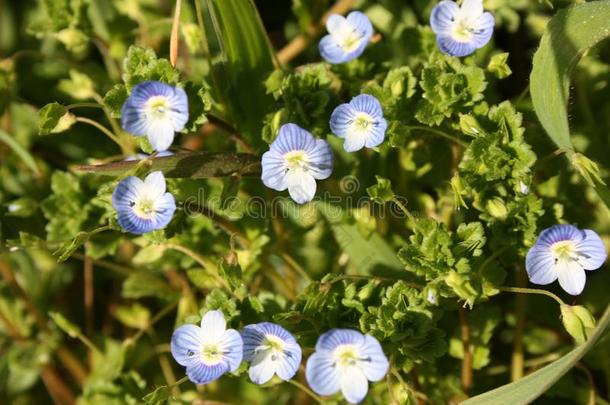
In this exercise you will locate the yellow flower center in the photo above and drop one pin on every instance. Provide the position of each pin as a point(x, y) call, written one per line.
point(351, 41)
point(296, 159)
point(346, 355)
point(463, 31)
point(363, 121)
point(158, 106)
point(211, 353)
point(563, 250)
point(144, 208)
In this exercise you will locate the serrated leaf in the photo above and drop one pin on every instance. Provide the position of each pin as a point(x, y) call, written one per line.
point(54, 118)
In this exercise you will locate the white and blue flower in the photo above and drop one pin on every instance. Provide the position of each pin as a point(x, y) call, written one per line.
point(345, 360)
point(271, 350)
point(156, 110)
point(564, 252)
point(347, 37)
point(295, 161)
point(461, 30)
point(143, 206)
point(208, 351)
point(360, 122)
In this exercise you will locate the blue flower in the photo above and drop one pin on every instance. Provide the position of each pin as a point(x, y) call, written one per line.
point(156, 110)
point(295, 161)
point(461, 30)
point(271, 350)
point(143, 206)
point(564, 252)
point(347, 37)
point(344, 360)
point(360, 122)
point(208, 351)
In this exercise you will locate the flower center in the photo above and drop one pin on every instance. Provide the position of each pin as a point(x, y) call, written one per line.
point(296, 159)
point(272, 346)
point(144, 208)
point(211, 353)
point(363, 122)
point(564, 250)
point(158, 107)
point(350, 41)
point(346, 355)
point(463, 31)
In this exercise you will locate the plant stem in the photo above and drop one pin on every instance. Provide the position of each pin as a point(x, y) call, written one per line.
point(305, 390)
point(519, 290)
point(195, 256)
point(154, 320)
point(467, 359)
point(228, 128)
point(439, 133)
point(174, 40)
point(102, 128)
point(88, 296)
point(517, 357)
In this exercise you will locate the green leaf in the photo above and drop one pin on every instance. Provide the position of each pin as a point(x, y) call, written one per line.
point(567, 37)
point(196, 165)
point(382, 191)
point(54, 118)
point(68, 327)
point(141, 64)
point(365, 254)
point(243, 58)
point(19, 150)
point(527, 389)
point(79, 86)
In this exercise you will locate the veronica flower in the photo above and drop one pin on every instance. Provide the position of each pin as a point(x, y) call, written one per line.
point(461, 30)
point(208, 351)
point(347, 37)
point(271, 350)
point(156, 110)
point(360, 122)
point(564, 252)
point(143, 206)
point(295, 161)
point(345, 360)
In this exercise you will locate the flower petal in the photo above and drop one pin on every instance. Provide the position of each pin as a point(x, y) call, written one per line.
point(367, 104)
point(359, 22)
point(301, 186)
point(214, 326)
point(376, 365)
point(233, 348)
point(354, 141)
point(443, 16)
point(274, 171)
point(131, 223)
point(572, 276)
point(341, 119)
point(186, 344)
point(262, 368)
point(165, 206)
point(591, 251)
point(331, 51)
point(483, 30)
point(540, 265)
point(160, 134)
point(472, 8)
point(155, 184)
point(558, 233)
point(291, 137)
point(452, 47)
point(336, 24)
point(201, 373)
point(354, 385)
point(335, 337)
point(126, 193)
point(321, 160)
point(288, 365)
point(321, 374)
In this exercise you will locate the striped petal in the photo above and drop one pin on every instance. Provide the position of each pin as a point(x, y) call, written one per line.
point(591, 251)
point(354, 385)
point(443, 16)
point(571, 276)
point(274, 170)
point(186, 344)
point(330, 340)
point(321, 160)
point(539, 265)
point(161, 134)
point(321, 374)
point(214, 326)
point(202, 373)
point(233, 348)
point(375, 366)
point(301, 186)
point(558, 233)
point(126, 193)
point(291, 137)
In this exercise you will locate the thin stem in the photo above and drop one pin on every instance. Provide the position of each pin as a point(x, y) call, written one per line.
point(102, 128)
point(153, 321)
point(84, 105)
point(115, 127)
point(222, 124)
point(88, 295)
point(519, 290)
point(305, 390)
point(517, 358)
point(193, 255)
point(439, 133)
point(467, 359)
point(403, 208)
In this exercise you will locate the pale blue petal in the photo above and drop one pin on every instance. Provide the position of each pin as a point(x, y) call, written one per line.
point(354, 141)
point(274, 172)
point(131, 223)
point(558, 233)
point(335, 337)
point(361, 23)
point(252, 338)
point(165, 206)
point(331, 51)
point(367, 104)
point(288, 365)
point(483, 30)
point(443, 16)
point(591, 251)
point(262, 369)
point(321, 373)
point(376, 133)
point(452, 47)
point(354, 385)
point(126, 193)
point(571, 276)
point(540, 265)
point(291, 137)
point(201, 373)
point(341, 119)
point(179, 106)
point(161, 134)
point(375, 364)
point(321, 160)
point(186, 345)
point(233, 348)
point(155, 183)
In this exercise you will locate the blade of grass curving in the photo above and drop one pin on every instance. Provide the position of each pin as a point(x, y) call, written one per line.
point(527, 389)
point(19, 150)
point(241, 59)
point(194, 165)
